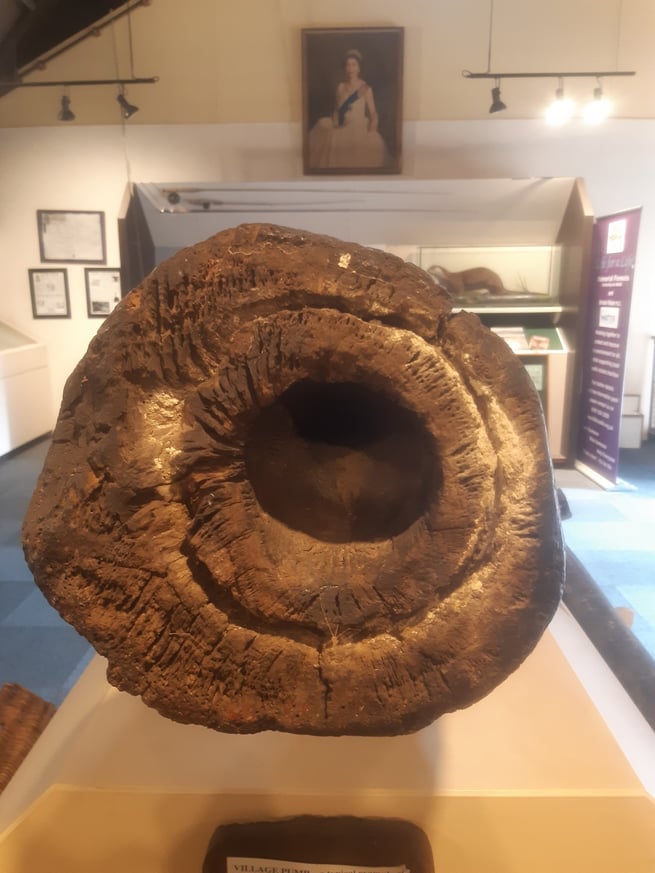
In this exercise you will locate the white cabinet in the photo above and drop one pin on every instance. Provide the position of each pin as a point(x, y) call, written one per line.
point(25, 389)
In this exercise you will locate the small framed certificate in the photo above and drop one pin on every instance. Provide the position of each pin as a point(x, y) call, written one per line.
point(49, 290)
point(103, 290)
point(71, 237)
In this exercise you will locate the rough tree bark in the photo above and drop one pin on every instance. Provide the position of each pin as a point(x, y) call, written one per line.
point(289, 489)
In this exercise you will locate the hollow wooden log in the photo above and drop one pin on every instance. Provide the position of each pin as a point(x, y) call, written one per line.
point(289, 489)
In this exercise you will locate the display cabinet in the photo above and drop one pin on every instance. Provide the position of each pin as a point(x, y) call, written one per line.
point(531, 237)
point(515, 290)
point(24, 373)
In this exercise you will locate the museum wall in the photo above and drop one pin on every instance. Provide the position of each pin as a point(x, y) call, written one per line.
point(221, 62)
point(227, 107)
point(91, 167)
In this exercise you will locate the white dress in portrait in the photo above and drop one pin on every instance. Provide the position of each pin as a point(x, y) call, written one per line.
point(349, 144)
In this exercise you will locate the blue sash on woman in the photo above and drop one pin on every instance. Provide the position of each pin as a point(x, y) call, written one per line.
point(345, 106)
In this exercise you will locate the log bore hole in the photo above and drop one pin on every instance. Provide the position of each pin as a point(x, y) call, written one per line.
point(342, 462)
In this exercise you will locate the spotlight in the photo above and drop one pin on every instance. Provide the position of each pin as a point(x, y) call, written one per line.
point(497, 104)
point(66, 113)
point(127, 109)
point(597, 109)
point(561, 109)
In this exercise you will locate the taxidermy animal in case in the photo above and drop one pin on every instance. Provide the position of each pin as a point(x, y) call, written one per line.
point(290, 490)
point(459, 284)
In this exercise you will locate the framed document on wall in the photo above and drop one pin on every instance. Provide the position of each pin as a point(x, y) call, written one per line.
point(352, 99)
point(71, 237)
point(103, 290)
point(49, 291)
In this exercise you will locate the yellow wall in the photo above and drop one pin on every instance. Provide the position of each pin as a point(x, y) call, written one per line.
point(232, 62)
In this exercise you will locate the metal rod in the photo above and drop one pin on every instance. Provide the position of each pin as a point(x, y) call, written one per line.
point(70, 83)
point(606, 74)
point(89, 31)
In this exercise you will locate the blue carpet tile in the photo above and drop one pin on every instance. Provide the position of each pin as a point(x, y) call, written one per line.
point(38, 649)
point(612, 533)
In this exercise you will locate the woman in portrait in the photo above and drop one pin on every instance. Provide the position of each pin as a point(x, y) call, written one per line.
point(350, 137)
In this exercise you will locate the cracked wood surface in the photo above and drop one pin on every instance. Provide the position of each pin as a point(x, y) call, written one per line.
point(289, 489)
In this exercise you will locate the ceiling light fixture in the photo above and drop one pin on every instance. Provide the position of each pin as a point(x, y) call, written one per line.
point(598, 75)
point(66, 113)
point(497, 104)
point(561, 109)
point(598, 108)
point(127, 109)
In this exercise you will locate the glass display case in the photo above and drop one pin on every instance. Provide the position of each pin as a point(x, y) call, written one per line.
point(514, 251)
point(515, 290)
point(497, 278)
point(24, 373)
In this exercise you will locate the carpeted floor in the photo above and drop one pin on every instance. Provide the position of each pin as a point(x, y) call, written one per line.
point(612, 533)
point(37, 648)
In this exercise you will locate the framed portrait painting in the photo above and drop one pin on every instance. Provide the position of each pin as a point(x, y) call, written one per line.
point(352, 100)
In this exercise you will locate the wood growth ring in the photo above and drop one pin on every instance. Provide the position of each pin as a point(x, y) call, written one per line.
point(289, 489)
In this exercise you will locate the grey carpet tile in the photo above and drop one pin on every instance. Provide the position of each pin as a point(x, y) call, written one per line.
point(10, 527)
point(646, 636)
point(12, 594)
point(33, 611)
point(637, 466)
point(641, 598)
point(16, 495)
point(613, 535)
point(19, 470)
point(594, 509)
point(645, 632)
point(612, 569)
point(74, 674)
point(12, 564)
point(41, 659)
point(570, 478)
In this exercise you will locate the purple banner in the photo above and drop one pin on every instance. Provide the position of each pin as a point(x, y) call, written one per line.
point(613, 263)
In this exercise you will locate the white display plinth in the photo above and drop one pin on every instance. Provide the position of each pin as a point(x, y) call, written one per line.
point(25, 392)
point(530, 778)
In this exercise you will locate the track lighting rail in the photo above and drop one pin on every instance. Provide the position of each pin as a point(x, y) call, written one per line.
point(562, 109)
point(583, 75)
point(70, 83)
